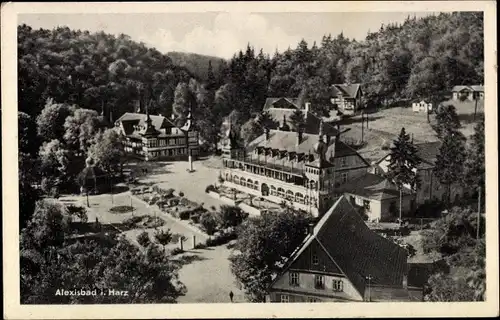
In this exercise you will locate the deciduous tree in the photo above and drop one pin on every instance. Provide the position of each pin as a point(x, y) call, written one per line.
point(263, 245)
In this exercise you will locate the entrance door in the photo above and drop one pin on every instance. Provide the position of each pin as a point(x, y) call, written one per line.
point(264, 190)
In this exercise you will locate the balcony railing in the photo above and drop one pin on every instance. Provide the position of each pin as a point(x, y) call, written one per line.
point(270, 165)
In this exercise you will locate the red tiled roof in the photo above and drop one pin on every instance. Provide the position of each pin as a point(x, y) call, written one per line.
point(357, 251)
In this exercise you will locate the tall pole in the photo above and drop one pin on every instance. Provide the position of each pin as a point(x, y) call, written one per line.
point(475, 109)
point(478, 213)
point(362, 127)
point(369, 278)
point(400, 205)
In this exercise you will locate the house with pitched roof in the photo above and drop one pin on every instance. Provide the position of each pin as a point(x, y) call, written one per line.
point(470, 93)
point(342, 260)
point(347, 97)
point(378, 198)
point(281, 109)
point(308, 170)
point(430, 188)
point(155, 137)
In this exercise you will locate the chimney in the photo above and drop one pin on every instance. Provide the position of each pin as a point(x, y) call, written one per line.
point(266, 130)
point(307, 107)
point(310, 228)
point(172, 116)
point(299, 137)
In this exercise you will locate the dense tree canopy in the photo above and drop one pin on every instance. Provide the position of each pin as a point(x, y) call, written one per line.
point(264, 244)
point(90, 70)
point(50, 260)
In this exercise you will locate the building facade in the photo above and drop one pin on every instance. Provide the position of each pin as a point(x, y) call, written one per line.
point(306, 170)
point(469, 93)
point(341, 259)
point(429, 186)
point(347, 97)
point(148, 137)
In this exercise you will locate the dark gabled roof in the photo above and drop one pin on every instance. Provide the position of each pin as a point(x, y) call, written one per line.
point(287, 141)
point(129, 120)
point(427, 151)
point(374, 187)
point(358, 251)
point(270, 101)
point(311, 125)
point(347, 90)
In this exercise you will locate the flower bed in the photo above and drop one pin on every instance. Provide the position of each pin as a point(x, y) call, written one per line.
point(121, 209)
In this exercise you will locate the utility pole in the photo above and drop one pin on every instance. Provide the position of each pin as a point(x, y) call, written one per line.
point(362, 127)
point(478, 213)
point(475, 109)
point(369, 278)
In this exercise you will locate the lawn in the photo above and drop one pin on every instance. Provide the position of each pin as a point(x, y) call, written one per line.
point(385, 125)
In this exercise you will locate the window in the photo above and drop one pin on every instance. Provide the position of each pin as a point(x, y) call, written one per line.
point(315, 259)
point(343, 162)
point(310, 299)
point(294, 279)
point(366, 205)
point(337, 285)
point(343, 177)
point(319, 282)
point(285, 298)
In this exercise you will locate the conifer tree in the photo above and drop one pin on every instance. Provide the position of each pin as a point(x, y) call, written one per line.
point(450, 160)
point(402, 166)
point(297, 120)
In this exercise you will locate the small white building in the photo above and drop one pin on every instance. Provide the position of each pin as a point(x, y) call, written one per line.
point(421, 106)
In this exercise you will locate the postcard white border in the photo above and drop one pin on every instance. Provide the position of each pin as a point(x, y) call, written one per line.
point(13, 309)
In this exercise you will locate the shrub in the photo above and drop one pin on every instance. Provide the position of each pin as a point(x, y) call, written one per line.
point(184, 215)
point(181, 194)
point(163, 237)
point(195, 218)
point(430, 209)
point(231, 216)
point(176, 251)
point(212, 208)
point(208, 223)
point(209, 188)
point(79, 212)
point(143, 239)
point(223, 238)
point(175, 237)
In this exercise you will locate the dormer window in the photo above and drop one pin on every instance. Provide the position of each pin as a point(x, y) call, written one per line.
point(343, 162)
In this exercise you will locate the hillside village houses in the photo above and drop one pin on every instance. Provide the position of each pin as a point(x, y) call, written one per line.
point(347, 97)
point(155, 137)
point(421, 106)
point(341, 259)
point(468, 92)
point(430, 188)
point(312, 168)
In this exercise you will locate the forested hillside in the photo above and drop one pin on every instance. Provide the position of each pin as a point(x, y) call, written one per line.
point(92, 70)
point(198, 64)
point(416, 59)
